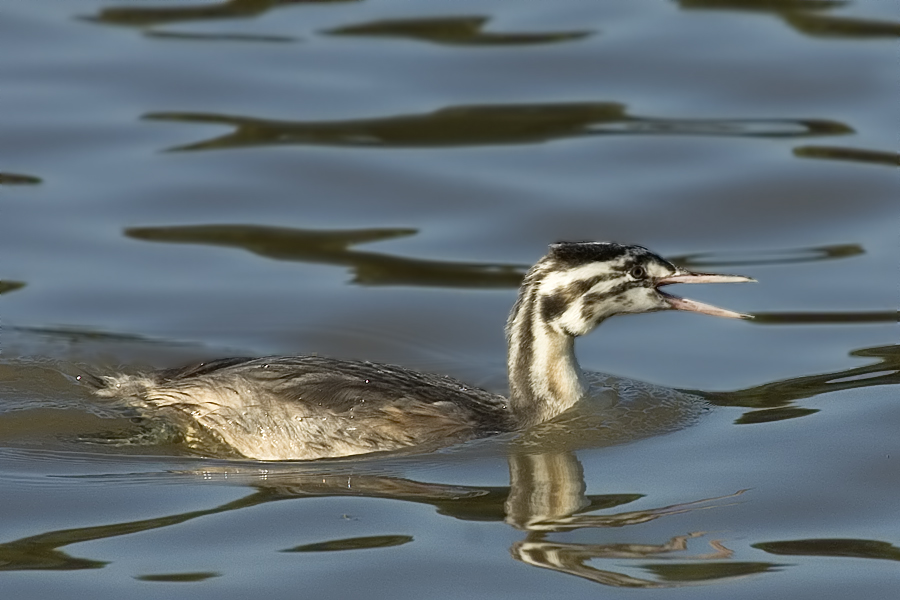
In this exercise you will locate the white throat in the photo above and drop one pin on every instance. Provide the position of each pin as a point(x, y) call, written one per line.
point(544, 377)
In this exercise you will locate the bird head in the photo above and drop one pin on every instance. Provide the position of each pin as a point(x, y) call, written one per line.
point(579, 284)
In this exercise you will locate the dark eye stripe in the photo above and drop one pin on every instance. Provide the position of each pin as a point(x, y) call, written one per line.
point(579, 287)
point(613, 291)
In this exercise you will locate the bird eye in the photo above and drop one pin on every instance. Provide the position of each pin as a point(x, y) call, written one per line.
point(638, 272)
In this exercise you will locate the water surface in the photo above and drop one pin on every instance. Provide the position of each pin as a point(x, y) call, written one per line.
point(188, 180)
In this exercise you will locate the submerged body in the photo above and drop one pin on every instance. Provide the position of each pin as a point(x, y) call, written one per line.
point(308, 407)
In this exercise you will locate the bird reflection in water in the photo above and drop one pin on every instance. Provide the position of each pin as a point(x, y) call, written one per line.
point(546, 495)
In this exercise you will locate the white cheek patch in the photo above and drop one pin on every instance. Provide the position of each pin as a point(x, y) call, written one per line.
point(571, 322)
point(639, 300)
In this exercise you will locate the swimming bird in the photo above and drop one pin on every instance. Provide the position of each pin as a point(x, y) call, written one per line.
point(310, 407)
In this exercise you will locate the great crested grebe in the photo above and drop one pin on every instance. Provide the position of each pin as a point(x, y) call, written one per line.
point(308, 407)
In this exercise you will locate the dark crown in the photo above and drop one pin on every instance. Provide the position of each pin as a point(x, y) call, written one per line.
point(574, 254)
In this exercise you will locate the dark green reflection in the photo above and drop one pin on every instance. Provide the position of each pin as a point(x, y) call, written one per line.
point(771, 400)
point(872, 157)
point(41, 552)
point(697, 572)
point(832, 318)
point(777, 256)
point(8, 285)
point(456, 30)
point(220, 37)
point(806, 17)
point(129, 15)
point(770, 415)
point(482, 125)
point(18, 179)
point(72, 334)
point(357, 543)
point(180, 577)
point(824, 26)
point(848, 548)
point(776, 6)
point(335, 247)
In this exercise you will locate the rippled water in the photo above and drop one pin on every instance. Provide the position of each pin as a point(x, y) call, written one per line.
point(181, 181)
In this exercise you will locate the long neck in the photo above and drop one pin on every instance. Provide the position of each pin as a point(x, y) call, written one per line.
point(544, 376)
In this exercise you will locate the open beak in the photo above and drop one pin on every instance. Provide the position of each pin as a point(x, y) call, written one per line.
point(690, 305)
